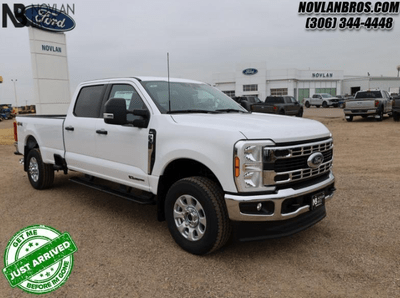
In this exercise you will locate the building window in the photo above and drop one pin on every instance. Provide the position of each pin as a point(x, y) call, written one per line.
point(253, 87)
point(331, 91)
point(279, 92)
point(229, 93)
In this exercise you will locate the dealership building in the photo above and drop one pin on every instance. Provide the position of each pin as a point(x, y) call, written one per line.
point(256, 79)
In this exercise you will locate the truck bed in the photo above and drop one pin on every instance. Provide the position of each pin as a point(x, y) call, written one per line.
point(47, 130)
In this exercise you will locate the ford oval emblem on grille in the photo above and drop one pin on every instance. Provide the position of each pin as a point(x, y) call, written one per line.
point(315, 160)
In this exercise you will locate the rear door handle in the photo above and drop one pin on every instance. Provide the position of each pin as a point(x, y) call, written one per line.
point(70, 128)
point(101, 131)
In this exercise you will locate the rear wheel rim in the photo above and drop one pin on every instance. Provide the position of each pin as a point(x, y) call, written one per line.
point(33, 169)
point(190, 217)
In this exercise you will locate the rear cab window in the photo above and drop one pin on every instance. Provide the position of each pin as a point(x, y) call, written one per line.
point(89, 101)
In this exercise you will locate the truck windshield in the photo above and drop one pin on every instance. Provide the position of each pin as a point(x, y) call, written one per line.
point(369, 94)
point(189, 98)
point(326, 95)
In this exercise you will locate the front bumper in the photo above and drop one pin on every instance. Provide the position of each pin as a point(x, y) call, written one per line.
point(281, 201)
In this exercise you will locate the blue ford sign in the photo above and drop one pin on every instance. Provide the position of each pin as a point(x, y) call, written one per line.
point(48, 18)
point(250, 71)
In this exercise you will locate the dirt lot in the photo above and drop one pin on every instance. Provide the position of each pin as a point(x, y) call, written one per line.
point(123, 251)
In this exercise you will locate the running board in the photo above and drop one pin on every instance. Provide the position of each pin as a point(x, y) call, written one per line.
point(141, 199)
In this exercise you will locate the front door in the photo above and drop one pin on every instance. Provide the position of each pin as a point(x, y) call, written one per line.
point(123, 149)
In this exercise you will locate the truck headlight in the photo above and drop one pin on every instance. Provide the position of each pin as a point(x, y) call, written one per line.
point(248, 165)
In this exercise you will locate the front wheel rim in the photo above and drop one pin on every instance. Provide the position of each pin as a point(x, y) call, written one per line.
point(33, 169)
point(190, 218)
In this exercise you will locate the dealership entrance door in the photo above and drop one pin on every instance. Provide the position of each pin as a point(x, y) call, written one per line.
point(354, 90)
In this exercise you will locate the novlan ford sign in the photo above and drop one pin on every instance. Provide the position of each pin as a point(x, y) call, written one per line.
point(47, 18)
point(322, 75)
point(43, 17)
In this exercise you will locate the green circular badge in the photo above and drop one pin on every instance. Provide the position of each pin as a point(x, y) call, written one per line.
point(39, 259)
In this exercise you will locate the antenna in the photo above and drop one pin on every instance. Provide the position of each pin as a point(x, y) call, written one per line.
point(169, 90)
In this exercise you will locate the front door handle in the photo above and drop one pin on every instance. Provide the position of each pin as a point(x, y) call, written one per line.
point(101, 131)
point(70, 128)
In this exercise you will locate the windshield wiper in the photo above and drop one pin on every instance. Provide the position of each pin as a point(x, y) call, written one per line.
point(230, 110)
point(190, 111)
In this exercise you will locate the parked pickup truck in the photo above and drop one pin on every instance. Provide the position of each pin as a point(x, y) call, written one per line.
point(396, 108)
point(247, 101)
point(368, 103)
point(321, 99)
point(210, 166)
point(283, 105)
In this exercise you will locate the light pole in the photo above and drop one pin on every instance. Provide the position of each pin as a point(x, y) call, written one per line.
point(15, 92)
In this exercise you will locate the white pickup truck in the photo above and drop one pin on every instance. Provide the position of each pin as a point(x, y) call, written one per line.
point(368, 103)
point(321, 99)
point(212, 168)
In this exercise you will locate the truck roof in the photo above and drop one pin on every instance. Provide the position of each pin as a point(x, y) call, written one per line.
point(145, 79)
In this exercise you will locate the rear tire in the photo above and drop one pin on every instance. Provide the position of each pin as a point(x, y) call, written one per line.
point(196, 215)
point(324, 104)
point(380, 115)
point(41, 175)
point(307, 104)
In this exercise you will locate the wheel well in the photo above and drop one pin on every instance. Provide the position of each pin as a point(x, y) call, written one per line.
point(31, 143)
point(176, 170)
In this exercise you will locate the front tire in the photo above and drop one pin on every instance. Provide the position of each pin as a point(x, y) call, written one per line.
point(324, 104)
point(307, 104)
point(196, 215)
point(300, 113)
point(41, 175)
point(350, 118)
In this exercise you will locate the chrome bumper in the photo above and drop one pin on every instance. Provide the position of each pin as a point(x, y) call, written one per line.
point(233, 201)
point(360, 112)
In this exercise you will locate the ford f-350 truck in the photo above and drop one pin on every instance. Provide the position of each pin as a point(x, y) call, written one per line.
point(368, 103)
point(211, 167)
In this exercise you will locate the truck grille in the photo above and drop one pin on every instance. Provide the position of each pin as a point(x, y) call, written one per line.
point(290, 163)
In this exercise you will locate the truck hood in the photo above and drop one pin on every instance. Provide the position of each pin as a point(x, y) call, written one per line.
point(256, 126)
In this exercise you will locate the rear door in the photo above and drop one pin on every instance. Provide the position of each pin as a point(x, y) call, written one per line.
point(80, 129)
point(123, 149)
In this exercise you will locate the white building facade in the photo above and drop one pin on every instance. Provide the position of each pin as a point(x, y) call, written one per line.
point(256, 79)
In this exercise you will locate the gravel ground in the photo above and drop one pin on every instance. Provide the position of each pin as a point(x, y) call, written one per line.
point(123, 251)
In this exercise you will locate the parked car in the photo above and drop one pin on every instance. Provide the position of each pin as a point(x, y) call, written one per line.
point(321, 99)
point(396, 108)
point(209, 165)
point(283, 105)
point(369, 103)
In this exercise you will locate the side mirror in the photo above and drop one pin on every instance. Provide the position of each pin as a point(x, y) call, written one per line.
point(115, 111)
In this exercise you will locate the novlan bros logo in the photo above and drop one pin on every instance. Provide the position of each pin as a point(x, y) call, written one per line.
point(42, 16)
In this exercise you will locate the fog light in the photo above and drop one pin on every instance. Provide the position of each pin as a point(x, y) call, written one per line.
point(259, 206)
